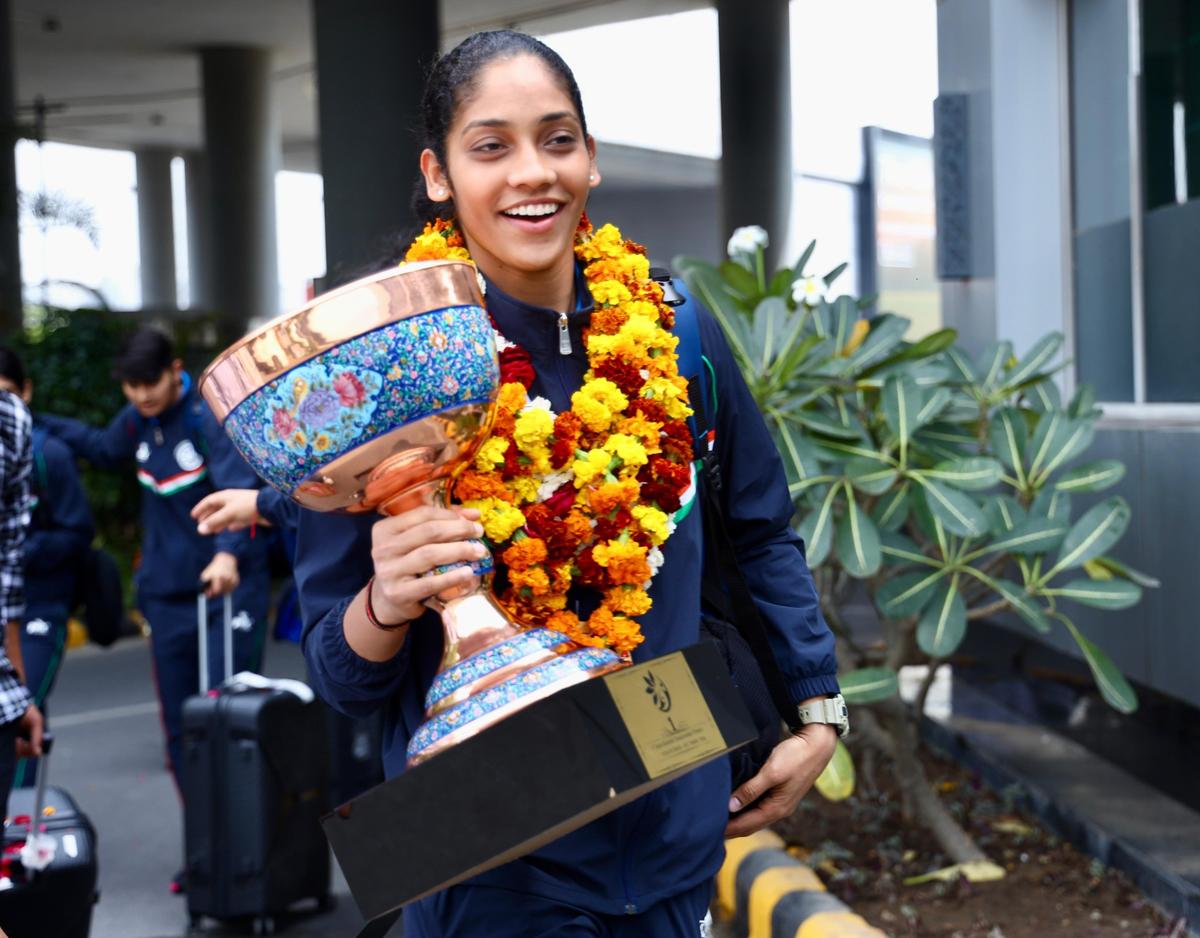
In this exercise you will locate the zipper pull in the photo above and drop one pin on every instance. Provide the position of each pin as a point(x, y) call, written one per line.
point(564, 335)
point(158, 435)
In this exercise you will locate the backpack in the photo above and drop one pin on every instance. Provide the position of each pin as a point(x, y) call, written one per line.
point(729, 616)
point(98, 592)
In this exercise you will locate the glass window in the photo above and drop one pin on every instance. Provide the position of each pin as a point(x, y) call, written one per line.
point(1099, 52)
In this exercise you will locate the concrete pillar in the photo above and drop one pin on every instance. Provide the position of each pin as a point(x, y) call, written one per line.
point(756, 120)
point(242, 141)
point(198, 194)
point(156, 229)
point(372, 58)
point(11, 306)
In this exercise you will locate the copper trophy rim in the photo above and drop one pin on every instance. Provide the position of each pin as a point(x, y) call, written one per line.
point(294, 337)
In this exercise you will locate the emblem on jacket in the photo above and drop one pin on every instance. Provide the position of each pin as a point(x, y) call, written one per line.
point(242, 622)
point(187, 457)
point(143, 451)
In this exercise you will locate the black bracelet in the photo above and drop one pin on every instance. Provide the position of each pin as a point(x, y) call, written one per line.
point(373, 619)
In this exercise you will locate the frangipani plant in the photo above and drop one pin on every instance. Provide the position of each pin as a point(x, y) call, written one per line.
point(945, 486)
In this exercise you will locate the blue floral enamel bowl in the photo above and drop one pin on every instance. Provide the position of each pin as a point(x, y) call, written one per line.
point(396, 371)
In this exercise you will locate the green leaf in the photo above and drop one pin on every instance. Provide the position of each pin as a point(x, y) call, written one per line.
point(858, 542)
point(869, 685)
point(1083, 404)
point(973, 473)
point(945, 440)
point(1094, 477)
point(901, 404)
point(1102, 594)
point(943, 624)
point(891, 511)
point(834, 274)
point(836, 781)
point(770, 319)
point(1113, 687)
point(898, 549)
point(887, 332)
point(800, 460)
point(822, 422)
point(1004, 513)
point(1057, 440)
point(1116, 568)
point(992, 361)
point(870, 476)
point(1093, 534)
point(804, 256)
point(1052, 503)
point(1023, 604)
point(934, 404)
point(1036, 360)
point(907, 594)
point(963, 368)
point(1044, 396)
point(1033, 536)
point(956, 510)
point(1009, 436)
point(817, 530)
point(740, 279)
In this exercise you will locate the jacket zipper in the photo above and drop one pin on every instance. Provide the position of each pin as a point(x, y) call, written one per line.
point(564, 335)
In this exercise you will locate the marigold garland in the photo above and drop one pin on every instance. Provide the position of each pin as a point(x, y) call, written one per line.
point(587, 496)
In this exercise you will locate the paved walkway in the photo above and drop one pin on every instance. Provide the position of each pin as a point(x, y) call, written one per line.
point(109, 755)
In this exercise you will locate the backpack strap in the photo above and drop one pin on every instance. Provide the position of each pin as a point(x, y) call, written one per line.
point(729, 595)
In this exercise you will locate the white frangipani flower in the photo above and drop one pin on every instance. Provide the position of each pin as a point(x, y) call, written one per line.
point(538, 403)
point(808, 290)
point(747, 240)
point(655, 558)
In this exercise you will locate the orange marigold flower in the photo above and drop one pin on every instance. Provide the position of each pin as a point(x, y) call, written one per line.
point(512, 397)
point(578, 526)
point(610, 495)
point(560, 577)
point(629, 600)
point(525, 553)
point(565, 621)
point(472, 484)
point(608, 321)
point(534, 579)
point(626, 562)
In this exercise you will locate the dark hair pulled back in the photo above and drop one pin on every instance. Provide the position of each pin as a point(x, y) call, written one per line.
point(452, 80)
point(11, 366)
point(144, 356)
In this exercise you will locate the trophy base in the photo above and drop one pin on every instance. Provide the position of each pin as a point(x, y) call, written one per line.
point(543, 772)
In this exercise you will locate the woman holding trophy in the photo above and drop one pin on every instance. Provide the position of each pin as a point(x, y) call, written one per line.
point(580, 491)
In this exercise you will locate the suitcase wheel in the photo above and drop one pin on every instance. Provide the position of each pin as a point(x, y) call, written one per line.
point(264, 925)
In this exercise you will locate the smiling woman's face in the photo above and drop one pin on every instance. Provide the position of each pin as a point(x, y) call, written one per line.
point(519, 169)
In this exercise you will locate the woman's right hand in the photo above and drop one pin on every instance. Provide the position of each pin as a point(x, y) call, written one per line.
point(405, 549)
point(227, 510)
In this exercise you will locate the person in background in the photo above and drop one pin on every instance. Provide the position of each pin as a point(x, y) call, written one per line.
point(60, 531)
point(20, 719)
point(181, 455)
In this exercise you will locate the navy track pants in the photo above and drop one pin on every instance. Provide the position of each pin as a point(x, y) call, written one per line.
point(43, 644)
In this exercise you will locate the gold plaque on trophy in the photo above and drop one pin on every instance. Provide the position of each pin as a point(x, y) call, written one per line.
point(666, 714)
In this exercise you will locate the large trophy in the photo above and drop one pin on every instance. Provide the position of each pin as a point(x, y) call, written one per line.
point(369, 399)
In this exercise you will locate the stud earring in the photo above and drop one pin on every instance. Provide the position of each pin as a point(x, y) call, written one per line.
point(592, 177)
point(441, 191)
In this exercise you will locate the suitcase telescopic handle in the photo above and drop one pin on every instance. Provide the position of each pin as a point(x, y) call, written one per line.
point(202, 627)
point(39, 798)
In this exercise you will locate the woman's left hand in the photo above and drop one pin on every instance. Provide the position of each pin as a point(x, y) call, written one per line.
point(786, 777)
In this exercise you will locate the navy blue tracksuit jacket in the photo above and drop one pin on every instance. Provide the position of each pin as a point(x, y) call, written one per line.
point(672, 839)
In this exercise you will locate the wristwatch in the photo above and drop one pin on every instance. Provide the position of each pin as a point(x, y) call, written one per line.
point(831, 710)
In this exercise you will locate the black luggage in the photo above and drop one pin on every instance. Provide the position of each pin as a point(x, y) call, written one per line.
point(255, 785)
point(56, 901)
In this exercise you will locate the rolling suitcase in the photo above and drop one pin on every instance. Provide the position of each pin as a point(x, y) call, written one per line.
point(49, 892)
point(255, 785)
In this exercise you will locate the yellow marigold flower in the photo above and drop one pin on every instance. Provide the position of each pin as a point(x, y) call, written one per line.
point(672, 394)
point(635, 266)
point(596, 402)
point(594, 465)
point(499, 519)
point(458, 254)
point(533, 429)
point(609, 292)
point(560, 578)
point(429, 246)
point(605, 242)
point(642, 309)
point(525, 488)
point(626, 448)
point(491, 454)
point(625, 561)
point(646, 431)
point(652, 521)
point(512, 397)
point(628, 600)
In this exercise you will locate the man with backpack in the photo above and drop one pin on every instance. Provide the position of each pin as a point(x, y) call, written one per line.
point(181, 455)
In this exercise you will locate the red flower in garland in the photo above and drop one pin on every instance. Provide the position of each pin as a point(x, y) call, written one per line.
point(516, 366)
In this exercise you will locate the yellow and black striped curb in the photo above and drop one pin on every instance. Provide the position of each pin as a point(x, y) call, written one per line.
point(768, 893)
